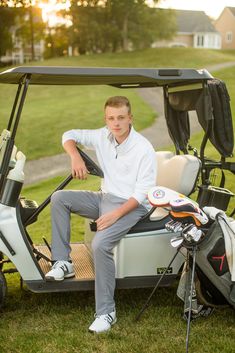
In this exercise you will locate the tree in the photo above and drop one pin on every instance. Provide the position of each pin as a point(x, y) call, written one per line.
point(57, 41)
point(152, 25)
point(7, 19)
point(88, 28)
point(123, 14)
point(28, 19)
point(111, 25)
point(30, 27)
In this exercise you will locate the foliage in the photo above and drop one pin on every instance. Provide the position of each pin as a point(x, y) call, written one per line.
point(7, 18)
point(30, 27)
point(113, 25)
point(27, 21)
point(56, 42)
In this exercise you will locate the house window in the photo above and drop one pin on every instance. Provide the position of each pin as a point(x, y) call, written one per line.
point(229, 37)
point(200, 40)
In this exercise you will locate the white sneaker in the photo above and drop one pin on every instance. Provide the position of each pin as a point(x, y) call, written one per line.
point(60, 270)
point(103, 323)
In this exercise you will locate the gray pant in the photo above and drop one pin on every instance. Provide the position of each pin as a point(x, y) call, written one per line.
point(92, 205)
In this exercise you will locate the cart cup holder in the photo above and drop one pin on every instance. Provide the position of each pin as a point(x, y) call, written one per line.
point(214, 196)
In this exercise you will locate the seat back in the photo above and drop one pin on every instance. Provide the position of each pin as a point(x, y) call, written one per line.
point(177, 172)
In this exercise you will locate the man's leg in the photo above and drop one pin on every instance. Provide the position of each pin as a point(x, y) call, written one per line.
point(102, 245)
point(63, 203)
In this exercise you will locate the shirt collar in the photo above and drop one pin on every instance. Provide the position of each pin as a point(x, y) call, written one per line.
point(126, 144)
point(112, 139)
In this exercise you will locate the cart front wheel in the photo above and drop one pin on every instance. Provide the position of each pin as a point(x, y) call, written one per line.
point(3, 289)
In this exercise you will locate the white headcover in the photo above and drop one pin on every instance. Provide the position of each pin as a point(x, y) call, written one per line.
point(159, 196)
point(181, 206)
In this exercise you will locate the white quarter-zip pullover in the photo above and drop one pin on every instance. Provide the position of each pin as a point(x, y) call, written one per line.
point(129, 168)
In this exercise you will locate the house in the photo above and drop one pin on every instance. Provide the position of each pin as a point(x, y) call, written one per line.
point(20, 53)
point(21, 48)
point(225, 24)
point(194, 29)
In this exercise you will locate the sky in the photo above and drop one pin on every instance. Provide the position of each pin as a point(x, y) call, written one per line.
point(212, 8)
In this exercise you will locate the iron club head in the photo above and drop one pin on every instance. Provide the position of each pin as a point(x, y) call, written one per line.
point(177, 241)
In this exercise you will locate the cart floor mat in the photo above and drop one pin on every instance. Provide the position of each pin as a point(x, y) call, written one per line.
point(81, 257)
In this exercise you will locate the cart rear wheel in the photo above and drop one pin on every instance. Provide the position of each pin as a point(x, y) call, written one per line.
point(3, 289)
point(1, 258)
point(208, 294)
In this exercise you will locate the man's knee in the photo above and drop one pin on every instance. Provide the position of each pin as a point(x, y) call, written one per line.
point(99, 245)
point(57, 198)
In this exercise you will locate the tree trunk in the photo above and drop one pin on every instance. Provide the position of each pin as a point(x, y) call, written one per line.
point(31, 32)
point(125, 41)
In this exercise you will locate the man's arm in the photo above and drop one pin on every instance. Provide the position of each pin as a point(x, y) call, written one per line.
point(111, 217)
point(78, 166)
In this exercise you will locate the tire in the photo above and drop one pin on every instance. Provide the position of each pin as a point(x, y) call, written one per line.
point(207, 293)
point(1, 258)
point(3, 289)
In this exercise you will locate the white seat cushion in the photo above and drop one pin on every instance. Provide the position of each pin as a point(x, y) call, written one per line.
point(177, 172)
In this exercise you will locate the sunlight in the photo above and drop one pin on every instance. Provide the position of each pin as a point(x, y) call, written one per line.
point(50, 11)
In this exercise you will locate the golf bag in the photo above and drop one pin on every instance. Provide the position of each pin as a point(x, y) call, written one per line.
point(215, 264)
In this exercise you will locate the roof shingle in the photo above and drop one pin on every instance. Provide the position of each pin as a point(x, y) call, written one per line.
point(193, 21)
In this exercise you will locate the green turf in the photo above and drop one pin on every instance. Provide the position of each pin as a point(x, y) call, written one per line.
point(49, 111)
point(159, 57)
point(57, 323)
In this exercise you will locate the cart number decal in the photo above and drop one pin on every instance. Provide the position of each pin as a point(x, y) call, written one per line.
point(160, 270)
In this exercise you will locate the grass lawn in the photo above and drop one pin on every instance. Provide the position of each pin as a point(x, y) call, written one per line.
point(57, 323)
point(49, 111)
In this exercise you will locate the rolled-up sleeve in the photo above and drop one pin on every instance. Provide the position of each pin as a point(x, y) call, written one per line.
point(147, 176)
point(87, 138)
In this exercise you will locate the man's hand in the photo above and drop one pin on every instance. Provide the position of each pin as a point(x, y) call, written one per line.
point(110, 218)
point(107, 220)
point(78, 166)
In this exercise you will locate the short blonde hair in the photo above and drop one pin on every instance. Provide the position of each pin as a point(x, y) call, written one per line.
point(118, 101)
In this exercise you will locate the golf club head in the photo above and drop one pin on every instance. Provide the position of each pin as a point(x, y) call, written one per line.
point(192, 234)
point(177, 241)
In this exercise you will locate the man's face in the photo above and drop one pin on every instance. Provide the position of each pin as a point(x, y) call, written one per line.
point(118, 121)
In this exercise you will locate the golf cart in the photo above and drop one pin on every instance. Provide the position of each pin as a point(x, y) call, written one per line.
point(144, 253)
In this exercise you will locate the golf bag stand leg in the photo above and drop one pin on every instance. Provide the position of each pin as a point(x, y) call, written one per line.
point(194, 250)
point(155, 288)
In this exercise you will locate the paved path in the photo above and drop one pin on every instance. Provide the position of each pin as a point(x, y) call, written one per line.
point(44, 168)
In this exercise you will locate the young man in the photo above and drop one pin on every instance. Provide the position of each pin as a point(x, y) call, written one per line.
point(129, 165)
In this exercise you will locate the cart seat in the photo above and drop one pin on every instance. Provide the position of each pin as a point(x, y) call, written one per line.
point(177, 172)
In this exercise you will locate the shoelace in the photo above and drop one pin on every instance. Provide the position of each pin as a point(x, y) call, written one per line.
point(63, 266)
point(106, 317)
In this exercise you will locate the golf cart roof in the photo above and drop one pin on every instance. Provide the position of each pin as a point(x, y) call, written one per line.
point(119, 77)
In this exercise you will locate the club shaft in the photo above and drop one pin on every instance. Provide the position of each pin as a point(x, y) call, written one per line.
point(191, 296)
point(155, 288)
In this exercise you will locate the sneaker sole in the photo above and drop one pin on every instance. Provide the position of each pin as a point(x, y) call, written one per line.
point(53, 279)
